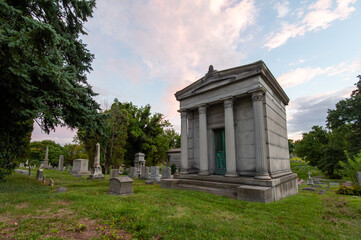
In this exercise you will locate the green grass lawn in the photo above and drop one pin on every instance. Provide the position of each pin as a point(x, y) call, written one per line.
point(31, 210)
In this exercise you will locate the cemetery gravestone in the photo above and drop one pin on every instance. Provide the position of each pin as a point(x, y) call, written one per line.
point(61, 190)
point(144, 173)
point(121, 186)
point(154, 174)
point(61, 163)
point(80, 168)
point(44, 178)
point(97, 169)
point(358, 178)
point(46, 160)
point(51, 182)
point(133, 172)
point(166, 173)
point(21, 165)
point(114, 173)
point(139, 161)
point(309, 180)
point(39, 174)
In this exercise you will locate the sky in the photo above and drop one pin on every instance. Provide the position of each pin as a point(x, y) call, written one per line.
point(145, 51)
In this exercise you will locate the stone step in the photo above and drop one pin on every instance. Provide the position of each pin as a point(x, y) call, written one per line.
point(231, 193)
point(231, 186)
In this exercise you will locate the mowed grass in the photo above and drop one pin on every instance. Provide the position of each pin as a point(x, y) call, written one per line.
point(31, 210)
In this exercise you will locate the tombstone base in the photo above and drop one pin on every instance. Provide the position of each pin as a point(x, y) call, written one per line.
point(240, 188)
point(79, 174)
point(119, 194)
point(96, 174)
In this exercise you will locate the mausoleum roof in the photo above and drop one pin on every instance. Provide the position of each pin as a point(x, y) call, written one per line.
point(228, 76)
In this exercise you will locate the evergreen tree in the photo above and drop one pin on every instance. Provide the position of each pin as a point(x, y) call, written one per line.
point(43, 66)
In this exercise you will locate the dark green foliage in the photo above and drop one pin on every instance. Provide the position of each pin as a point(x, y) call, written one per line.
point(36, 152)
point(291, 146)
point(128, 130)
point(348, 112)
point(43, 67)
point(173, 168)
point(13, 145)
point(311, 146)
point(74, 151)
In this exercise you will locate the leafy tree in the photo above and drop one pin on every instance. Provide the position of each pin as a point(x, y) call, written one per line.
point(36, 152)
point(43, 66)
point(348, 112)
point(311, 146)
point(291, 146)
point(74, 151)
point(351, 167)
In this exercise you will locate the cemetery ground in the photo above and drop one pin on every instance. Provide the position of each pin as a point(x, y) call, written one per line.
point(30, 209)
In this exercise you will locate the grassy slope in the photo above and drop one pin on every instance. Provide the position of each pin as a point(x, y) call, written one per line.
point(30, 210)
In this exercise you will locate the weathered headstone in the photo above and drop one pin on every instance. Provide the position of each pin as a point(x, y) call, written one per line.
point(121, 186)
point(316, 181)
point(21, 165)
point(44, 178)
point(309, 189)
point(358, 175)
point(114, 173)
point(139, 161)
point(144, 173)
point(61, 163)
point(166, 173)
point(97, 169)
point(80, 167)
point(154, 173)
point(51, 182)
point(334, 184)
point(61, 190)
point(322, 192)
point(46, 160)
point(39, 174)
point(309, 180)
point(133, 172)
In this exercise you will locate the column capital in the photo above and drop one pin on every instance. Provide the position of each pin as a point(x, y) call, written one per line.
point(202, 109)
point(228, 103)
point(189, 116)
point(258, 96)
point(183, 113)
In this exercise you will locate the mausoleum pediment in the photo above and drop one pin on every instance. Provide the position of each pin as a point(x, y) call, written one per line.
point(214, 79)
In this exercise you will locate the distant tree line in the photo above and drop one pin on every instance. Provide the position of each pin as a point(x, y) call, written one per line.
point(341, 139)
point(127, 130)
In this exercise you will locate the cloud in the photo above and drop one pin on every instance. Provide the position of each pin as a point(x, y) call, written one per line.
point(319, 16)
point(282, 8)
point(305, 112)
point(61, 135)
point(302, 75)
point(175, 41)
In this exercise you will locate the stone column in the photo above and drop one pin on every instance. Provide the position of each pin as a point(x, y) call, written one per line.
point(203, 141)
point(230, 139)
point(259, 136)
point(184, 143)
point(61, 163)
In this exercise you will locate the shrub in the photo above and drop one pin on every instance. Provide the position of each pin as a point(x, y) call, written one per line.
point(351, 167)
point(173, 168)
point(353, 190)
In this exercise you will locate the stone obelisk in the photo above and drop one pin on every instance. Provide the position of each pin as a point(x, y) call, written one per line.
point(97, 169)
point(46, 160)
point(61, 163)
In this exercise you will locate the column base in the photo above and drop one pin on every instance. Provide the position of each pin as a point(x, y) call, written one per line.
point(231, 175)
point(184, 171)
point(263, 177)
point(203, 173)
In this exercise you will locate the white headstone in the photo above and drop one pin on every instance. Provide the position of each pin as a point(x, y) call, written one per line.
point(61, 163)
point(46, 160)
point(166, 173)
point(97, 169)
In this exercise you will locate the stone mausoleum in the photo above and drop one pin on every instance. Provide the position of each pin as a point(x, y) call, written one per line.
point(234, 136)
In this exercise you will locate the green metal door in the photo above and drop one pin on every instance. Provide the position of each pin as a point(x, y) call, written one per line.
point(220, 151)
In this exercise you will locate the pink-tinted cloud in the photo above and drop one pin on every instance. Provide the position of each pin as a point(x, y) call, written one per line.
point(176, 41)
point(319, 16)
point(302, 75)
point(62, 135)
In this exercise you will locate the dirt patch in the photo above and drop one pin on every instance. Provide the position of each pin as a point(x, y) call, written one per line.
point(61, 224)
point(21, 205)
